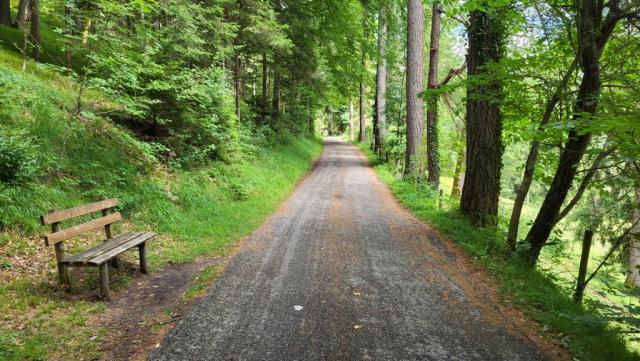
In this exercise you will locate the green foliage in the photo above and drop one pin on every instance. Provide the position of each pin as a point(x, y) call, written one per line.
point(583, 329)
point(17, 161)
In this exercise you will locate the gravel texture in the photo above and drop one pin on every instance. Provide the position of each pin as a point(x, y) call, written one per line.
point(342, 272)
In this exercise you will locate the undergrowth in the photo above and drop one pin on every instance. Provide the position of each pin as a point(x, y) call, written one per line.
point(57, 160)
point(580, 328)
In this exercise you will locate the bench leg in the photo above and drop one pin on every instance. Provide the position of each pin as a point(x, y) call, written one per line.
point(115, 263)
point(143, 258)
point(63, 272)
point(104, 280)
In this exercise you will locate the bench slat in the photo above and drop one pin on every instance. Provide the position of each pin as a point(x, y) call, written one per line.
point(104, 257)
point(58, 216)
point(65, 234)
point(84, 256)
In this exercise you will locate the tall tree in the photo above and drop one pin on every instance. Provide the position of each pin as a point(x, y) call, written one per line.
point(265, 86)
point(433, 167)
point(5, 12)
point(352, 126)
point(595, 24)
point(35, 28)
point(530, 164)
point(362, 137)
point(380, 124)
point(414, 79)
point(481, 189)
point(23, 13)
point(633, 249)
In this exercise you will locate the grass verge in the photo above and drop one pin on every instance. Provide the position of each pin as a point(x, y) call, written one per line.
point(579, 328)
point(63, 161)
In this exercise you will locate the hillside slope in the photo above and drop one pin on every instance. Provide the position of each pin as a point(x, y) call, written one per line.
point(53, 159)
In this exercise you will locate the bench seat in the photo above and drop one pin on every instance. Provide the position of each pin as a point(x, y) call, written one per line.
point(108, 250)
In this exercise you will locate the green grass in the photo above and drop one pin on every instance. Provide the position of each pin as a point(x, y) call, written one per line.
point(65, 162)
point(537, 293)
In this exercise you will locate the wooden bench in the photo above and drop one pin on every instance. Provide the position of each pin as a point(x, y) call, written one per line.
point(99, 256)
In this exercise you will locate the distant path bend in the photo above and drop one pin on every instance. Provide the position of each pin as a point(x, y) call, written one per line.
point(373, 283)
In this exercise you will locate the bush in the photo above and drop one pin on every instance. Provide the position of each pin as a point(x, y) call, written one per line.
point(17, 160)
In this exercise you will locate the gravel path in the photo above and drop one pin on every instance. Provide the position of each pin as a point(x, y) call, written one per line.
point(342, 272)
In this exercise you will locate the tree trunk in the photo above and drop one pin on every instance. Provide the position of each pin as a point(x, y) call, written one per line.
point(380, 123)
point(362, 137)
point(530, 165)
point(633, 275)
point(70, 31)
point(458, 173)
point(583, 185)
point(238, 80)
point(591, 41)
point(276, 101)
point(481, 189)
point(352, 126)
point(5, 12)
point(35, 28)
point(581, 283)
point(433, 166)
point(415, 115)
point(265, 87)
point(23, 13)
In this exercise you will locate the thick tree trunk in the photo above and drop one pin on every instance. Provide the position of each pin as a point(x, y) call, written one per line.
point(35, 28)
point(633, 252)
point(433, 166)
point(380, 123)
point(481, 189)
point(415, 114)
point(530, 165)
point(592, 36)
point(5, 12)
point(23, 13)
point(352, 125)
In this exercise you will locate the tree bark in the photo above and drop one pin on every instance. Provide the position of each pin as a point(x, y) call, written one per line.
point(362, 137)
point(265, 86)
point(35, 28)
point(238, 81)
point(481, 189)
point(458, 173)
point(633, 252)
point(352, 126)
point(593, 33)
point(414, 78)
point(530, 165)
point(5, 12)
point(276, 101)
point(581, 284)
point(433, 166)
point(380, 123)
point(583, 185)
point(23, 13)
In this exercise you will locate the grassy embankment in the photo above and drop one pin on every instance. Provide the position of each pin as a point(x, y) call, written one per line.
point(538, 293)
point(65, 161)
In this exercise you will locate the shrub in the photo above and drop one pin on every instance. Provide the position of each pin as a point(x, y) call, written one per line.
point(17, 160)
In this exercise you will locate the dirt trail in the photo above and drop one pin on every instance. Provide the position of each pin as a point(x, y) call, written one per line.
point(343, 272)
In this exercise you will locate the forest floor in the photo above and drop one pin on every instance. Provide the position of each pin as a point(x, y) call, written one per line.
point(343, 271)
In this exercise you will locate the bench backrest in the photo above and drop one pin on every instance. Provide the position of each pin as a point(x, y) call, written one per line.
point(54, 218)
